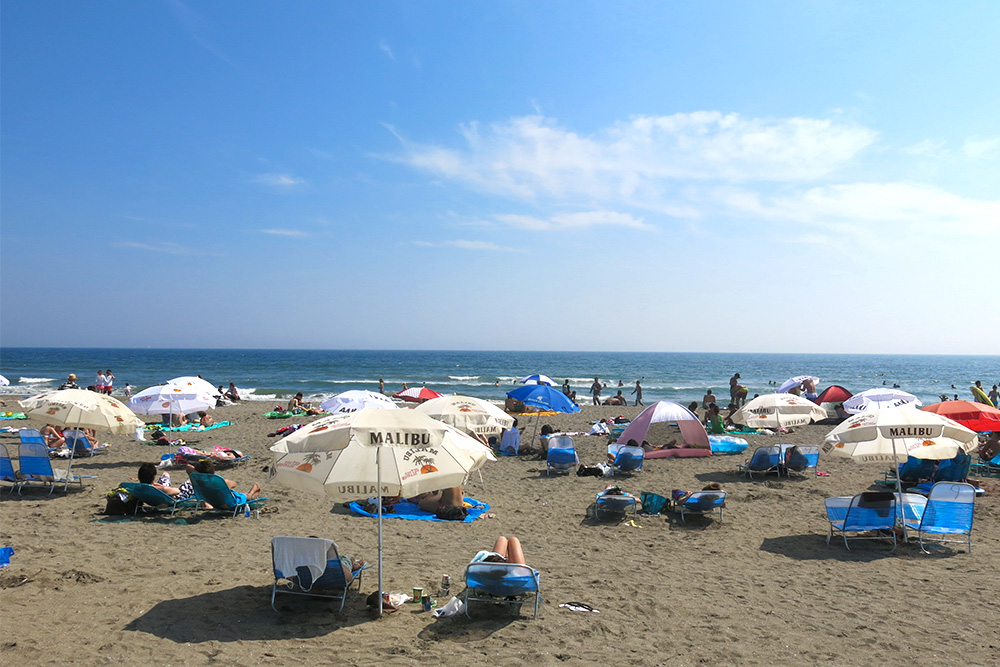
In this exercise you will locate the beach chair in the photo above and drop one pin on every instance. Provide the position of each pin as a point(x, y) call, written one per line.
point(911, 472)
point(866, 514)
point(626, 459)
point(989, 468)
point(147, 494)
point(310, 566)
point(561, 455)
point(616, 504)
point(763, 461)
point(36, 468)
point(7, 473)
point(703, 502)
point(212, 489)
point(948, 511)
point(802, 458)
point(510, 584)
point(80, 444)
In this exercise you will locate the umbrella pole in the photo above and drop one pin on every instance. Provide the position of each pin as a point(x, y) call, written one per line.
point(69, 467)
point(378, 501)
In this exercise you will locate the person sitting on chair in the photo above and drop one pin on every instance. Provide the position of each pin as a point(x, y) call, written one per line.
point(505, 550)
point(147, 475)
point(991, 447)
point(53, 437)
point(207, 466)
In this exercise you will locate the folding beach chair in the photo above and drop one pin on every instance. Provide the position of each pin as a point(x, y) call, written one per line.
point(310, 566)
point(948, 511)
point(212, 489)
point(147, 494)
point(911, 472)
point(78, 442)
point(763, 461)
point(31, 435)
point(7, 473)
point(802, 458)
point(510, 584)
point(989, 468)
point(626, 458)
point(561, 455)
point(703, 502)
point(36, 468)
point(616, 504)
point(866, 513)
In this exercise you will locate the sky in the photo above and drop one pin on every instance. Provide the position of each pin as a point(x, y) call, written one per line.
point(803, 176)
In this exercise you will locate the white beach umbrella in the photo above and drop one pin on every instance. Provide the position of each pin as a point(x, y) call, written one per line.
point(796, 381)
point(80, 408)
point(778, 410)
point(893, 434)
point(878, 399)
point(196, 384)
point(4, 381)
point(538, 378)
point(378, 453)
point(170, 399)
point(356, 399)
point(472, 415)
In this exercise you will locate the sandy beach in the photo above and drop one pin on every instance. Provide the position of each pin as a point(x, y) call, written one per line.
point(762, 587)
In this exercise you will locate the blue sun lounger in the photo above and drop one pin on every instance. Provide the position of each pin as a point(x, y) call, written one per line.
point(763, 461)
point(310, 566)
point(861, 514)
point(7, 473)
point(949, 510)
point(77, 441)
point(36, 468)
point(626, 458)
point(702, 503)
point(510, 584)
point(212, 489)
point(561, 454)
point(147, 494)
point(616, 504)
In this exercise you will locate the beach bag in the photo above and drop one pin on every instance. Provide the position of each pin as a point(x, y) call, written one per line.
point(452, 513)
point(652, 503)
point(120, 503)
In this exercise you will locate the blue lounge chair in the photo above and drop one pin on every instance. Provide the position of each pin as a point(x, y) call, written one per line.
point(989, 468)
point(626, 458)
point(703, 502)
point(310, 566)
point(802, 458)
point(864, 513)
point(32, 436)
point(78, 442)
point(616, 504)
point(763, 461)
point(510, 584)
point(7, 473)
point(213, 490)
point(948, 511)
point(561, 455)
point(36, 468)
point(147, 494)
point(911, 472)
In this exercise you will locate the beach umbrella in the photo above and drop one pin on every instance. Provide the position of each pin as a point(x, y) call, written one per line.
point(878, 399)
point(80, 408)
point(975, 416)
point(170, 399)
point(196, 384)
point(471, 415)
point(538, 379)
point(667, 411)
point(356, 399)
point(4, 381)
point(796, 381)
point(417, 394)
point(378, 453)
point(832, 394)
point(778, 410)
point(544, 396)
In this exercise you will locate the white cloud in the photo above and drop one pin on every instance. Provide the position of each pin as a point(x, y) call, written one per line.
point(977, 147)
point(561, 221)
point(198, 28)
point(466, 245)
point(384, 47)
point(166, 247)
point(291, 233)
point(283, 181)
point(927, 147)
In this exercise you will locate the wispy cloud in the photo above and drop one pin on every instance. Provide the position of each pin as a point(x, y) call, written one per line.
point(290, 233)
point(384, 47)
point(487, 246)
point(574, 221)
point(978, 147)
point(197, 27)
point(165, 247)
point(282, 181)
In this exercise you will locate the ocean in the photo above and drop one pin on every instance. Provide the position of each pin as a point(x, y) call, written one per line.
point(275, 375)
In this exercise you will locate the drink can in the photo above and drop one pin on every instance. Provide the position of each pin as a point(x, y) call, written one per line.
point(418, 593)
point(445, 585)
point(425, 601)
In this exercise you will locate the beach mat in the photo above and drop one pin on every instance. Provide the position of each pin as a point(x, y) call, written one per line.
point(13, 415)
point(187, 428)
point(547, 413)
point(412, 511)
point(286, 415)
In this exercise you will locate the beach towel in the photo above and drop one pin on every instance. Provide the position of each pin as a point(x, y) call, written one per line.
point(301, 552)
point(195, 428)
point(412, 511)
point(547, 413)
point(13, 415)
point(5, 554)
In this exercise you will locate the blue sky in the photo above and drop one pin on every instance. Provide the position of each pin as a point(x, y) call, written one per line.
point(674, 176)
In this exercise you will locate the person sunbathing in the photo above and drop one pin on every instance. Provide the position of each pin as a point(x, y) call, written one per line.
point(445, 503)
point(670, 444)
point(505, 550)
point(207, 466)
point(296, 404)
point(679, 496)
point(615, 490)
point(205, 419)
point(147, 475)
point(53, 437)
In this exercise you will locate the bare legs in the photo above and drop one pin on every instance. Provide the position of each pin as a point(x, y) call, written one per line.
point(510, 548)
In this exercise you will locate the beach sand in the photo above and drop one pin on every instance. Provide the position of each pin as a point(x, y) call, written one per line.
point(762, 587)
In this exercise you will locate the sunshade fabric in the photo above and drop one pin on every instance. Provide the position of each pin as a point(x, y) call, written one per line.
point(777, 410)
point(467, 414)
point(666, 411)
point(893, 434)
point(81, 408)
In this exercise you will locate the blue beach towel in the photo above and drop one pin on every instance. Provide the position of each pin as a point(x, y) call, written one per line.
point(5, 554)
point(412, 511)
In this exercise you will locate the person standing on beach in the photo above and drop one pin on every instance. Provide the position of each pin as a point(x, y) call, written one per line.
point(638, 393)
point(381, 386)
point(567, 390)
point(109, 382)
point(734, 387)
point(708, 399)
point(99, 381)
point(595, 391)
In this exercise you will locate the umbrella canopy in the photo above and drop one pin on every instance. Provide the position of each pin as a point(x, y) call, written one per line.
point(878, 399)
point(796, 381)
point(356, 399)
point(544, 396)
point(975, 416)
point(777, 410)
point(538, 379)
point(832, 394)
point(467, 414)
point(170, 399)
point(667, 411)
point(80, 408)
point(196, 384)
point(893, 434)
point(417, 394)
point(4, 381)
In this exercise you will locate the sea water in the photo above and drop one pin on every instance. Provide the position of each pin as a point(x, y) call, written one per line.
point(275, 375)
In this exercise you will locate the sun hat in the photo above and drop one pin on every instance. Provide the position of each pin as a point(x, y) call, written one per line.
point(71, 376)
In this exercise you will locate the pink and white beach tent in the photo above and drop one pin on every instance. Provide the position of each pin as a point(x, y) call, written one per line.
point(667, 411)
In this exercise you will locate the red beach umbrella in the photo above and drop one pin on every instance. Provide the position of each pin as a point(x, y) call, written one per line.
point(975, 416)
point(833, 394)
point(417, 394)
